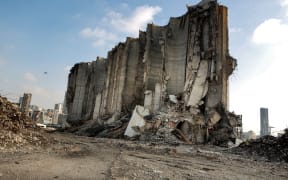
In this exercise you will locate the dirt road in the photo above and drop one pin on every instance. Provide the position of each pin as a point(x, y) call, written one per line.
point(75, 157)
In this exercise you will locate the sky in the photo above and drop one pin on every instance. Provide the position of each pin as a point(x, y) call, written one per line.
point(41, 40)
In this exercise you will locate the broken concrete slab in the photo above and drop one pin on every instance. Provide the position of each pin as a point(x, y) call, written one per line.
point(137, 120)
point(199, 86)
point(173, 99)
point(214, 117)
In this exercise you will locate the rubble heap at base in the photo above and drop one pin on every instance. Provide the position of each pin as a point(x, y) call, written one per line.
point(269, 147)
point(11, 118)
point(15, 128)
point(178, 72)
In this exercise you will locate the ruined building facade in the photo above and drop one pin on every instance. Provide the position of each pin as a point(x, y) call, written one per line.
point(188, 58)
point(24, 103)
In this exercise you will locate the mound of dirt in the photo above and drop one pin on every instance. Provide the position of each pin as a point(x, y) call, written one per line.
point(269, 147)
point(17, 129)
point(11, 118)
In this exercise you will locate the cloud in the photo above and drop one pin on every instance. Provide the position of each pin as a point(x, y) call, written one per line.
point(119, 23)
point(2, 61)
point(264, 90)
point(124, 5)
point(271, 31)
point(284, 3)
point(76, 16)
point(98, 35)
point(43, 97)
point(267, 87)
point(30, 77)
point(36, 90)
point(138, 19)
point(67, 68)
point(235, 30)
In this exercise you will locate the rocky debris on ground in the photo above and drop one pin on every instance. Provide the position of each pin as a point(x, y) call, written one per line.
point(171, 125)
point(17, 129)
point(11, 119)
point(26, 138)
point(267, 147)
point(93, 129)
point(174, 125)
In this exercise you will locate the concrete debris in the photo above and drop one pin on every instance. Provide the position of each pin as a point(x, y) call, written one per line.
point(173, 99)
point(213, 118)
point(11, 119)
point(137, 121)
point(179, 72)
point(268, 148)
point(16, 128)
point(236, 143)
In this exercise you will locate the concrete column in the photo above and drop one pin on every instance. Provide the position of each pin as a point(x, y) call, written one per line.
point(25, 103)
point(264, 122)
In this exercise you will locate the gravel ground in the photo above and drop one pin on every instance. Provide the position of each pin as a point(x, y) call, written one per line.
point(76, 157)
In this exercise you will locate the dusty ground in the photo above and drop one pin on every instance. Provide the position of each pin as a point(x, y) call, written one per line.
point(75, 157)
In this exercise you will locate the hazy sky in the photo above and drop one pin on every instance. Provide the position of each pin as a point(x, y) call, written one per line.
point(40, 36)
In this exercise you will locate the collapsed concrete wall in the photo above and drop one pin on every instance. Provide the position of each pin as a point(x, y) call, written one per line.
point(186, 61)
point(86, 81)
point(124, 82)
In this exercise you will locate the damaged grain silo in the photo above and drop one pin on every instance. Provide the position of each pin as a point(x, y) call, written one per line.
point(173, 78)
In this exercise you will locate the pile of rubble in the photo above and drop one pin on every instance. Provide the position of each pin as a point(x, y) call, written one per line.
point(16, 128)
point(268, 147)
point(11, 119)
point(171, 125)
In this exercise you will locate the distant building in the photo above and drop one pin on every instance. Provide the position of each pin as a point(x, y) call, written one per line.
point(264, 122)
point(64, 105)
point(37, 116)
point(35, 108)
point(48, 116)
point(249, 135)
point(20, 101)
point(57, 111)
point(24, 103)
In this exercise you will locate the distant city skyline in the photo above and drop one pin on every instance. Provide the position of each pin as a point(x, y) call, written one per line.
point(42, 40)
